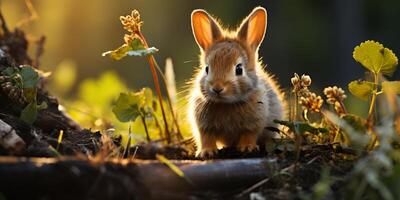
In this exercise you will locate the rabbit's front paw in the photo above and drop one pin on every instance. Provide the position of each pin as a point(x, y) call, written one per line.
point(248, 148)
point(207, 153)
point(248, 143)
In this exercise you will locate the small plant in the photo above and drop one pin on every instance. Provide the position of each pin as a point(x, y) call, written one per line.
point(374, 57)
point(378, 60)
point(21, 86)
point(136, 45)
point(130, 106)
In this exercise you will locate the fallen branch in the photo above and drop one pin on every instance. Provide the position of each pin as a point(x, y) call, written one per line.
point(123, 179)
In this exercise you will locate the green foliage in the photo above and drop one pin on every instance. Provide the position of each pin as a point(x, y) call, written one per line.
point(378, 60)
point(375, 57)
point(361, 89)
point(9, 71)
point(30, 77)
point(29, 114)
point(130, 105)
point(26, 79)
point(92, 106)
point(135, 48)
point(126, 107)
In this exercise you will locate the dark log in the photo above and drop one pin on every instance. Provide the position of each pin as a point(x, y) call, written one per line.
point(124, 179)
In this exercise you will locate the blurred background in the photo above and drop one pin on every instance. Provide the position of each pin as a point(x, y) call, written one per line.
point(308, 37)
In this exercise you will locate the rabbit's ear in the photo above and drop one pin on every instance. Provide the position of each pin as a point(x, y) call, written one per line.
point(205, 29)
point(252, 29)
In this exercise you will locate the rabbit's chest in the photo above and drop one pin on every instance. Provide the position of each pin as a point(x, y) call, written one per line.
point(231, 118)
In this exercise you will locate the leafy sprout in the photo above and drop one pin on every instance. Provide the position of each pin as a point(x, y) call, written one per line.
point(378, 60)
point(134, 48)
point(136, 45)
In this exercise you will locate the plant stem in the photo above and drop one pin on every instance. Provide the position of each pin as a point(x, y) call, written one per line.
point(370, 120)
point(157, 86)
point(295, 107)
point(158, 125)
point(174, 117)
point(128, 144)
point(343, 107)
point(145, 128)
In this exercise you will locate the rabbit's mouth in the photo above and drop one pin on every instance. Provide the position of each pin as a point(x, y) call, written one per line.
point(222, 98)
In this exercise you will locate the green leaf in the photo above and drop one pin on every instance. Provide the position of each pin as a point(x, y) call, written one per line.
point(29, 114)
point(361, 89)
point(135, 48)
point(138, 49)
point(118, 53)
point(301, 127)
point(143, 52)
point(9, 71)
point(29, 76)
point(391, 87)
point(375, 57)
point(137, 44)
point(126, 107)
point(30, 94)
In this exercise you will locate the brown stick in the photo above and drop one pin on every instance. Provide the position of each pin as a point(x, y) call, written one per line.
point(145, 179)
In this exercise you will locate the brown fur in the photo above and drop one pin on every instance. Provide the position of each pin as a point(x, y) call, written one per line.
point(248, 103)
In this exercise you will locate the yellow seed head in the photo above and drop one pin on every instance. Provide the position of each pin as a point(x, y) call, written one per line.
point(334, 94)
point(312, 102)
point(300, 84)
point(132, 22)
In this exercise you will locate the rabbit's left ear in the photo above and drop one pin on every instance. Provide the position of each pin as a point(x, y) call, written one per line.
point(252, 29)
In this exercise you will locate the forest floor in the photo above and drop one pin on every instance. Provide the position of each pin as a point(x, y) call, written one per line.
point(79, 167)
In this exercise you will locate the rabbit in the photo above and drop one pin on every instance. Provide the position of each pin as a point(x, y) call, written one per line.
point(232, 99)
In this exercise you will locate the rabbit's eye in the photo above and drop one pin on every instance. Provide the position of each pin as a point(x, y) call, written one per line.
point(207, 69)
point(239, 69)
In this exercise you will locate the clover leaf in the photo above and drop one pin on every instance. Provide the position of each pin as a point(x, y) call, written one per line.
point(126, 107)
point(134, 48)
point(375, 57)
point(361, 89)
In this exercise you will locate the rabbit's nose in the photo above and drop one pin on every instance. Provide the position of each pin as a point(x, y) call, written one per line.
point(217, 90)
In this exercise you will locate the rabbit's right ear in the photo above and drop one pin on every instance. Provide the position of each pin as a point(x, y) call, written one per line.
point(205, 29)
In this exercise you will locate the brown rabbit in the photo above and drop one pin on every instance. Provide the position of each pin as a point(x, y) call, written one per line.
point(232, 99)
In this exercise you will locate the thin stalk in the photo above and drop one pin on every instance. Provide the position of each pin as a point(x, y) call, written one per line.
point(145, 128)
point(298, 141)
point(174, 116)
point(295, 106)
point(157, 124)
point(370, 119)
point(157, 86)
point(128, 144)
point(343, 107)
point(291, 118)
